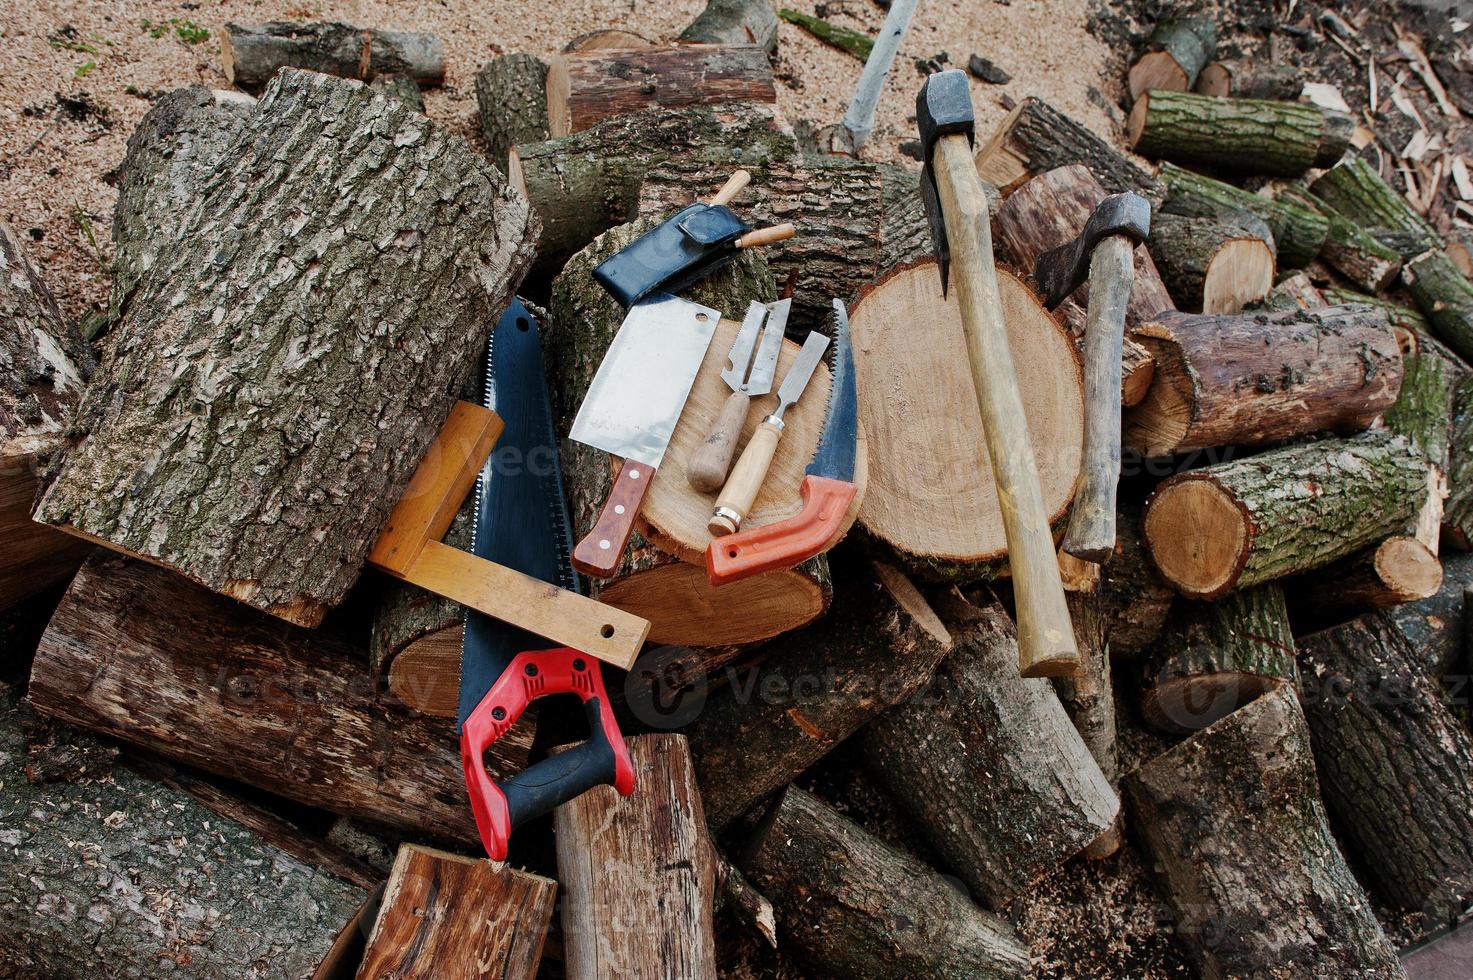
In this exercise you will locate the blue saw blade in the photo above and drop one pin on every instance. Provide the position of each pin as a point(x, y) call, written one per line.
point(521, 518)
point(837, 445)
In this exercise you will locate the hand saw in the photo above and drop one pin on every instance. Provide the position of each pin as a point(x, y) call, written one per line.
point(521, 521)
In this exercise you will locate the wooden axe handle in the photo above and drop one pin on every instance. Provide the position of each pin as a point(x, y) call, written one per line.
point(1046, 645)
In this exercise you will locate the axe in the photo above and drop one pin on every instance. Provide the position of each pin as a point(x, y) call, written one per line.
point(1105, 249)
point(956, 209)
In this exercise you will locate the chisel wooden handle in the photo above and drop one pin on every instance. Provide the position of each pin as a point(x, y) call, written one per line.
point(709, 464)
point(1045, 636)
point(599, 552)
point(731, 188)
point(767, 236)
point(746, 478)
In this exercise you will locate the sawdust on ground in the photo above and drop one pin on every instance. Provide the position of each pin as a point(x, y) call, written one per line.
point(75, 78)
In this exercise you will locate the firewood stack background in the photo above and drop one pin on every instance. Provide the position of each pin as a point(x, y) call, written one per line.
point(233, 753)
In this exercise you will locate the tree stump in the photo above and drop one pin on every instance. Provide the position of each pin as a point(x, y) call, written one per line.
point(1248, 136)
point(1176, 53)
point(1036, 138)
point(511, 103)
point(251, 54)
point(1299, 233)
point(1215, 265)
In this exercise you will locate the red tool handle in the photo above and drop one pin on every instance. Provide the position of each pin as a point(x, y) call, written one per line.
point(501, 807)
point(786, 543)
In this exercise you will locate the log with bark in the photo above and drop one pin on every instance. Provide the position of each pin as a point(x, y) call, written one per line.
point(1435, 628)
point(250, 54)
point(1250, 78)
point(587, 87)
point(1293, 292)
point(107, 866)
point(1457, 511)
point(1049, 211)
point(1395, 765)
point(988, 765)
point(266, 470)
point(1175, 55)
point(853, 906)
point(734, 22)
point(1349, 249)
point(44, 363)
point(1399, 315)
point(1135, 599)
point(511, 103)
point(1089, 698)
point(639, 873)
point(1217, 264)
point(1233, 820)
point(1216, 657)
point(1255, 378)
point(1289, 510)
point(584, 184)
point(1397, 570)
point(1246, 136)
point(931, 495)
point(1445, 297)
point(1354, 189)
point(1299, 233)
point(263, 702)
point(1036, 138)
point(814, 688)
point(445, 915)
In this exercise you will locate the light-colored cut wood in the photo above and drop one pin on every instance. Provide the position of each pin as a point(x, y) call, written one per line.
point(1199, 535)
point(1240, 273)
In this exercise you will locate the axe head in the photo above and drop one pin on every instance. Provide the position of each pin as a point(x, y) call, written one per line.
point(943, 107)
point(1059, 271)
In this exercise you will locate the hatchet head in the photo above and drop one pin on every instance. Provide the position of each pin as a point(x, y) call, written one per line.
point(1059, 271)
point(943, 107)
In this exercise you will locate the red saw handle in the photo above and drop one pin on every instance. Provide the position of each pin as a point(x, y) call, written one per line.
point(786, 543)
point(603, 759)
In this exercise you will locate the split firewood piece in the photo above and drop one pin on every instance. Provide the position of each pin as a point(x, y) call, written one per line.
point(1256, 378)
point(584, 184)
point(1089, 698)
point(817, 687)
point(124, 656)
point(988, 765)
point(1299, 233)
point(1354, 188)
point(446, 915)
point(835, 203)
point(851, 905)
point(1349, 249)
point(251, 54)
point(1036, 138)
point(1216, 265)
point(587, 87)
point(639, 873)
point(1241, 523)
point(236, 463)
point(1216, 657)
point(1050, 210)
point(734, 22)
point(931, 495)
point(1394, 765)
point(1445, 297)
point(1423, 413)
point(1434, 628)
point(1255, 878)
point(1177, 52)
point(662, 576)
point(1250, 78)
point(511, 103)
point(44, 363)
point(1293, 292)
point(1457, 511)
point(107, 859)
point(1248, 136)
point(1135, 599)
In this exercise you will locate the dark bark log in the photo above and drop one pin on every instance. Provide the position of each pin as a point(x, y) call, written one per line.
point(854, 907)
point(511, 103)
point(251, 54)
point(1233, 819)
point(1435, 628)
point(111, 867)
point(1216, 265)
point(1445, 297)
point(1255, 378)
point(1349, 249)
point(587, 87)
point(235, 464)
point(265, 703)
point(1216, 657)
point(1353, 188)
point(1136, 601)
point(1289, 510)
point(1036, 138)
point(988, 765)
point(44, 363)
point(444, 915)
point(749, 905)
point(639, 874)
point(1395, 766)
point(734, 22)
point(1250, 78)
point(1457, 512)
point(814, 688)
point(1248, 136)
point(1176, 53)
point(1299, 233)
point(1398, 570)
point(1089, 698)
point(584, 184)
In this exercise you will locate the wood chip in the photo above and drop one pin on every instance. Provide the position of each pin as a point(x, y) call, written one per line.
point(1417, 59)
point(1325, 96)
point(1461, 178)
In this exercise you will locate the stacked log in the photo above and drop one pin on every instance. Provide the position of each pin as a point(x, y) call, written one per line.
point(1299, 233)
point(1036, 138)
point(1134, 598)
point(1177, 51)
point(251, 54)
point(1215, 265)
point(1250, 78)
point(1349, 249)
point(1249, 136)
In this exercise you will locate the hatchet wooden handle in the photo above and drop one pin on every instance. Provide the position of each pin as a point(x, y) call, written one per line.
point(731, 188)
point(1091, 534)
point(599, 552)
point(711, 461)
point(1045, 637)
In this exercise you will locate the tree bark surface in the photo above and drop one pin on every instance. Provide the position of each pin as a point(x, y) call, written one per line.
point(1250, 136)
point(1457, 512)
point(1215, 265)
point(1299, 233)
point(1035, 138)
point(511, 103)
point(251, 54)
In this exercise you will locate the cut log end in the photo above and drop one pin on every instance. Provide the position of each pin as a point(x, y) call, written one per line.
point(1187, 704)
point(1241, 272)
point(1156, 69)
point(1408, 569)
point(1198, 536)
point(1135, 125)
point(425, 675)
point(685, 609)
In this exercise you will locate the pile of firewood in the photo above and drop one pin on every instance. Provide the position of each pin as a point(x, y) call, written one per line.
point(232, 746)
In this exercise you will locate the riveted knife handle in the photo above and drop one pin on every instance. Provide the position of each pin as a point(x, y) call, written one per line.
point(786, 543)
point(599, 552)
point(746, 479)
point(711, 461)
